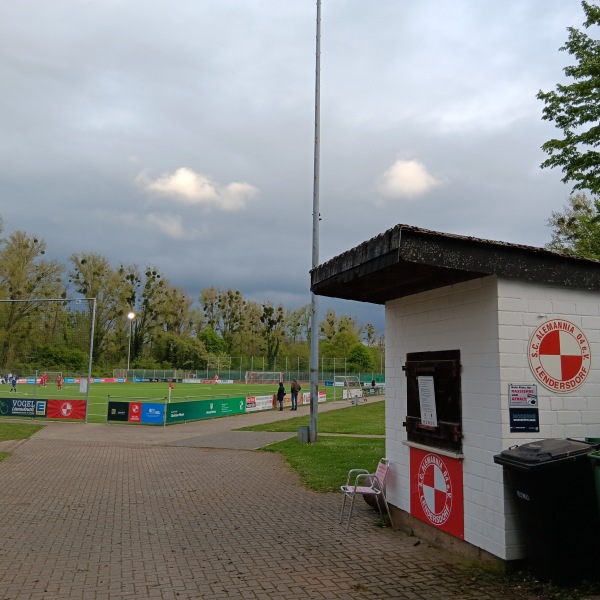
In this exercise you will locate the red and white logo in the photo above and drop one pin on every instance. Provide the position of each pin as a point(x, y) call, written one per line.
point(66, 408)
point(559, 355)
point(435, 489)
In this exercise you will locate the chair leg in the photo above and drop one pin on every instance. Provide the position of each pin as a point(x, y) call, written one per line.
point(350, 513)
point(343, 505)
point(387, 508)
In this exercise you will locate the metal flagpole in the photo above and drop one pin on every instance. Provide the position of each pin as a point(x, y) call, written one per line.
point(314, 325)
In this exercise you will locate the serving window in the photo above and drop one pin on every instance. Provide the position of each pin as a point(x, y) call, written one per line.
point(434, 403)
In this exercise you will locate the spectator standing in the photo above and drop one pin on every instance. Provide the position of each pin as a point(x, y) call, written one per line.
point(295, 387)
point(280, 395)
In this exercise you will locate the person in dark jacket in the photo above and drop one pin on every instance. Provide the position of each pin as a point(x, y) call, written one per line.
point(280, 394)
point(295, 388)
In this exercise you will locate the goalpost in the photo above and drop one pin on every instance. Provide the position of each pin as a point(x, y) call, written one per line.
point(352, 388)
point(263, 376)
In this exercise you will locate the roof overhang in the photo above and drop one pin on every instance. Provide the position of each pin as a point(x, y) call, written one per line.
point(407, 260)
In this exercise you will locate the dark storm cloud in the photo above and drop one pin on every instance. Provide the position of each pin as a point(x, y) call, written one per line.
point(180, 135)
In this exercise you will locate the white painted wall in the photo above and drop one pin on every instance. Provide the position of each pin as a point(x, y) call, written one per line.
point(490, 322)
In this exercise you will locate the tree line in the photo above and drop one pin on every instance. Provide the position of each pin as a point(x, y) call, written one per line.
point(170, 329)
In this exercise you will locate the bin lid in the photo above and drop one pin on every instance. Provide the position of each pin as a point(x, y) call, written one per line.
point(543, 452)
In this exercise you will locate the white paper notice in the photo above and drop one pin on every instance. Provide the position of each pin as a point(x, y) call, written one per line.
point(427, 401)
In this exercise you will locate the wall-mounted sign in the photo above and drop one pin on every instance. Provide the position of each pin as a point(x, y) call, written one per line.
point(559, 355)
point(427, 400)
point(436, 491)
point(522, 396)
point(523, 412)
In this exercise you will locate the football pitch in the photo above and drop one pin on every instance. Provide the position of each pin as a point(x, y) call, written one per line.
point(101, 393)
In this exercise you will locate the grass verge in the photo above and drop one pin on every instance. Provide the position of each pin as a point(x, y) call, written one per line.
point(365, 419)
point(15, 431)
point(323, 466)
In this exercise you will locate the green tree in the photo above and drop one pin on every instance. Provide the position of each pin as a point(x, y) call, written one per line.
point(159, 307)
point(297, 324)
point(212, 342)
point(180, 352)
point(576, 230)
point(25, 276)
point(360, 359)
point(272, 320)
point(575, 110)
point(224, 312)
point(338, 335)
point(249, 340)
point(92, 276)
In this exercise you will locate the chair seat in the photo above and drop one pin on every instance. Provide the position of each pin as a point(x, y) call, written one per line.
point(376, 488)
point(365, 491)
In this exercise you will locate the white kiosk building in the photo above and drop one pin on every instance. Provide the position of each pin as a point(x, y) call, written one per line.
point(488, 345)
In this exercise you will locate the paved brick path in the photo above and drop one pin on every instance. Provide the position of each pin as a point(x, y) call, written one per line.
point(105, 512)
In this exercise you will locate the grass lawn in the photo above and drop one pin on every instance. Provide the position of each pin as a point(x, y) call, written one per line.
point(323, 466)
point(364, 419)
point(15, 431)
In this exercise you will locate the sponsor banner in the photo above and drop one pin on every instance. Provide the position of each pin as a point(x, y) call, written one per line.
point(178, 412)
point(153, 414)
point(304, 397)
point(524, 420)
point(117, 411)
point(17, 408)
point(436, 491)
point(66, 409)
point(40, 408)
point(256, 403)
point(207, 381)
point(135, 412)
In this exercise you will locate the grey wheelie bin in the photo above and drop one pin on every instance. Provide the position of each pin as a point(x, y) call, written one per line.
point(551, 482)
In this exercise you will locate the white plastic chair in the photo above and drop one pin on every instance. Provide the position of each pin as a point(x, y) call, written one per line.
point(366, 484)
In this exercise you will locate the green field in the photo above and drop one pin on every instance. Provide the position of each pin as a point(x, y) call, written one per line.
point(145, 392)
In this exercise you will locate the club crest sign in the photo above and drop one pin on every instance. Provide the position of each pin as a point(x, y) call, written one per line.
point(436, 491)
point(559, 355)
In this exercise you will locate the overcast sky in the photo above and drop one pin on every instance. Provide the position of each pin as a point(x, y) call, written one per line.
point(180, 134)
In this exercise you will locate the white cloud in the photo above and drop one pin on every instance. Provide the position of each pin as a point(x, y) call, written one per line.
point(406, 179)
point(191, 188)
point(170, 225)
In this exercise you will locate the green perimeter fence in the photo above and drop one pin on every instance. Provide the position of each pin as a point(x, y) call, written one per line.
point(234, 375)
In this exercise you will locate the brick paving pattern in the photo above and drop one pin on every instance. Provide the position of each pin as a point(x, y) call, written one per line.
point(103, 512)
